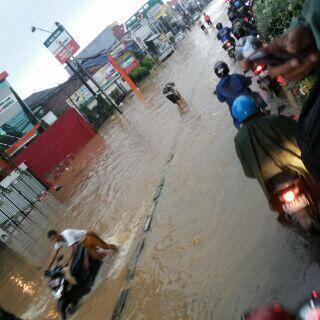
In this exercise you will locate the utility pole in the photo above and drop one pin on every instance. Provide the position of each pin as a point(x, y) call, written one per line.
point(30, 115)
point(98, 86)
point(83, 80)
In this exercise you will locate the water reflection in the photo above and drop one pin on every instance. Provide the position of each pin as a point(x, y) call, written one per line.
point(52, 314)
point(27, 287)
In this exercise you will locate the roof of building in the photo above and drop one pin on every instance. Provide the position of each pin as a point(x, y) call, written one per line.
point(38, 97)
point(102, 41)
point(41, 97)
point(143, 10)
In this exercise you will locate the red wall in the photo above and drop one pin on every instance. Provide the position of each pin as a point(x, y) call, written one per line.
point(66, 136)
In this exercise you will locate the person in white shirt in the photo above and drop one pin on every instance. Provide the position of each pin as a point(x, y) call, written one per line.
point(71, 237)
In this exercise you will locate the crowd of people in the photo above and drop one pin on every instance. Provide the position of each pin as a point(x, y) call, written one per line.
point(268, 145)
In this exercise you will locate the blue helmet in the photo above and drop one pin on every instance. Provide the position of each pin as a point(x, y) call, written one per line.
point(237, 4)
point(243, 108)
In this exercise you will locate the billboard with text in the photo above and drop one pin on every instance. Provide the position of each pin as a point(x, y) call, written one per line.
point(61, 45)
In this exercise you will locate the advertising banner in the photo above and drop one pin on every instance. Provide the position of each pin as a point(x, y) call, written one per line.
point(156, 12)
point(61, 45)
point(7, 102)
point(104, 77)
point(9, 106)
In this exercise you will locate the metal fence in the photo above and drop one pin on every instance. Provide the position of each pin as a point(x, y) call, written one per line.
point(19, 192)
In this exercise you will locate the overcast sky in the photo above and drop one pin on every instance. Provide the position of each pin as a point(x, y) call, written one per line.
point(30, 65)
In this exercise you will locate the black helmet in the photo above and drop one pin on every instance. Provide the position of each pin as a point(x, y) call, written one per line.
point(221, 69)
point(167, 88)
point(232, 16)
point(219, 26)
point(239, 31)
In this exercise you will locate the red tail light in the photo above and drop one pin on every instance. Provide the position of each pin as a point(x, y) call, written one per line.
point(246, 19)
point(229, 44)
point(315, 294)
point(281, 80)
point(259, 69)
point(288, 196)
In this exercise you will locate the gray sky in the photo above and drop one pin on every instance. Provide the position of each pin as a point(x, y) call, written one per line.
point(30, 65)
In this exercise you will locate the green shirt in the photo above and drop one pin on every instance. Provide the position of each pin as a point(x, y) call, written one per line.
point(266, 145)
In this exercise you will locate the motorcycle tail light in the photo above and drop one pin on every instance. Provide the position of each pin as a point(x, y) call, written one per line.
point(229, 44)
point(259, 69)
point(288, 196)
point(281, 80)
point(315, 294)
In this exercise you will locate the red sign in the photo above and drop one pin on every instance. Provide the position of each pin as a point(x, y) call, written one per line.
point(140, 16)
point(119, 31)
point(61, 44)
point(66, 52)
point(134, 65)
point(3, 75)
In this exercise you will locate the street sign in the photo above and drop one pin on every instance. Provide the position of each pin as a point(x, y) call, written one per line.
point(9, 106)
point(156, 12)
point(140, 16)
point(61, 45)
point(7, 102)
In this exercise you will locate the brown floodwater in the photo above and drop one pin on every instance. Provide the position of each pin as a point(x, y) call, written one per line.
point(214, 248)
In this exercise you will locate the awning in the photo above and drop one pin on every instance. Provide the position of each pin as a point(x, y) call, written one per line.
point(152, 37)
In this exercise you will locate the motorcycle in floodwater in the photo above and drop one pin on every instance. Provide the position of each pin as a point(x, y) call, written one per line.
point(294, 199)
point(309, 310)
point(229, 46)
point(264, 81)
point(68, 295)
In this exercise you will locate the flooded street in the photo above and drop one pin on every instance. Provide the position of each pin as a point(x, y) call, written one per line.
point(214, 248)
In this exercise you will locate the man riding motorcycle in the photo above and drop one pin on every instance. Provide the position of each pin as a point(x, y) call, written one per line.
point(266, 145)
point(245, 44)
point(303, 43)
point(232, 86)
point(68, 291)
point(224, 33)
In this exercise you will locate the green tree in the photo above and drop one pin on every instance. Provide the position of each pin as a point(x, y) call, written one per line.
point(274, 16)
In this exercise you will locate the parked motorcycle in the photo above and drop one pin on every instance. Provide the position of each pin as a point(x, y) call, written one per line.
point(294, 199)
point(229, 46)
point(68, 295)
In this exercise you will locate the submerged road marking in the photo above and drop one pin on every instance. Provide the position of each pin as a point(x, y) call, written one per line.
point(147, 228)
point(120, 305)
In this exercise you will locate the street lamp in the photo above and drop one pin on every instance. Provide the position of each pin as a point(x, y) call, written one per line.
point(72, 68)
point(34, 29)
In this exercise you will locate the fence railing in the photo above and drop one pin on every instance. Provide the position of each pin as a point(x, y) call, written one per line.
point(19, 192)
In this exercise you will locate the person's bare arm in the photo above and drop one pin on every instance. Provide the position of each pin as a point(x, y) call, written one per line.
point(54, 257)
point(113, 247)
point(300, 42)
point(73, 247)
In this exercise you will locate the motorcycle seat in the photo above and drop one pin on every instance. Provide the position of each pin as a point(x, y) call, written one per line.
point(283, 180)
